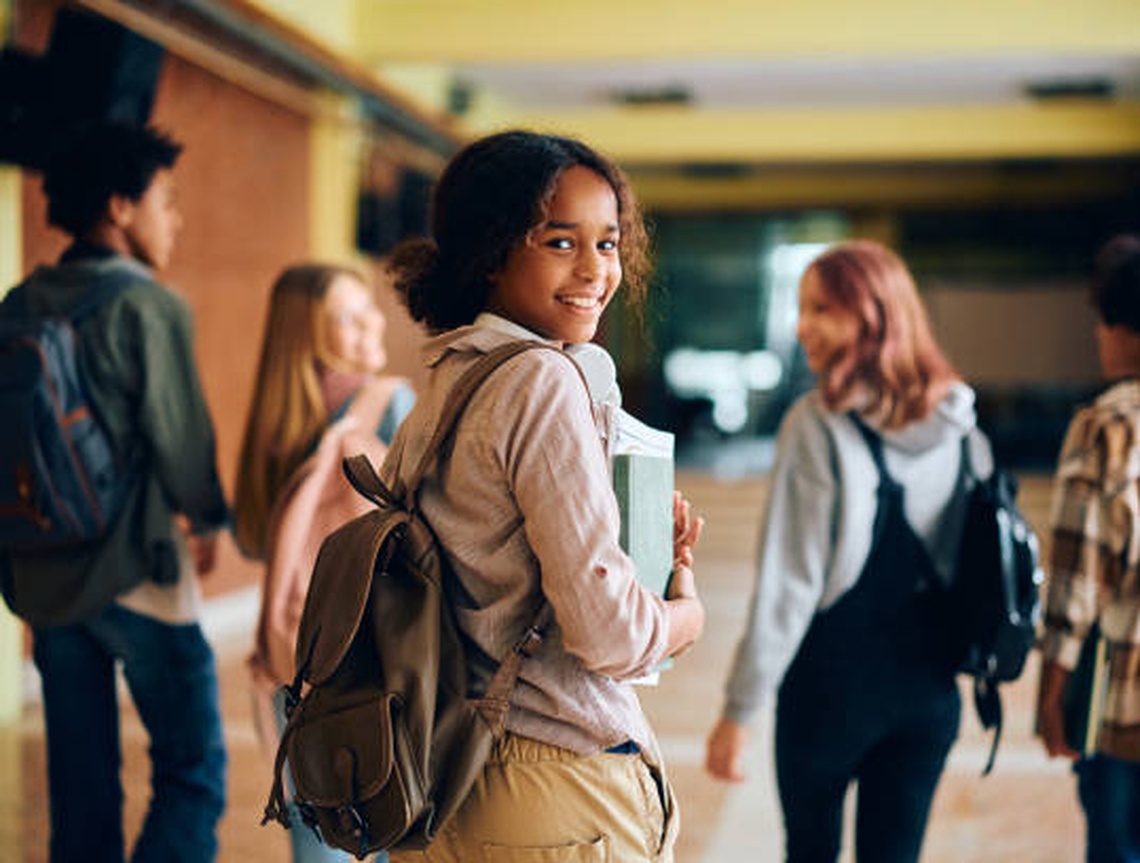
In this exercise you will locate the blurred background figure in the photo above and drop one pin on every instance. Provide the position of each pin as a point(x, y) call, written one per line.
point(130, 598)
point(1091, 642)
point(860, 534)
point(319, 397)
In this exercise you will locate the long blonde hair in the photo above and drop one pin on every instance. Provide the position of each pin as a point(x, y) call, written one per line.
point(287, 411)
point(896, 356)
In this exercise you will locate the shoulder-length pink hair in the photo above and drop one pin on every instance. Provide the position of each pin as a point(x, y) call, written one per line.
point(895, 360)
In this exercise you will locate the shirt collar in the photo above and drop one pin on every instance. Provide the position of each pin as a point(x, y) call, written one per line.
point(83, 250)
point(1123, 394)
point(488, 332)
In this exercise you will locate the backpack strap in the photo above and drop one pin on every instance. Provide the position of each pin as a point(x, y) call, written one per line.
point(495, 702)
point(360, 472)
point(456, 403)
point(987, 704)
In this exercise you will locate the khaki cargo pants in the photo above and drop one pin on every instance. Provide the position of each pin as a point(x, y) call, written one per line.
point(537, 803)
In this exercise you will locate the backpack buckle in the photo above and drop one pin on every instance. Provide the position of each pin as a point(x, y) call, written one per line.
point(351, 823)
point(529, 641)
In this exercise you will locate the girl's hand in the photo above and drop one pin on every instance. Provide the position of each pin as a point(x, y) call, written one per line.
point(724, 755)
point(686, 531)
point(686, 611)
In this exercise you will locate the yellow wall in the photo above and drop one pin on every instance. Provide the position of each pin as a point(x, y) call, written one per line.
point(11, 264)
point(331, 22)
point(336, 138)
point(11, 630)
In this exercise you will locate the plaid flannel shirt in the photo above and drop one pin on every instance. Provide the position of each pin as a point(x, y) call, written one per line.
point(1094, 571)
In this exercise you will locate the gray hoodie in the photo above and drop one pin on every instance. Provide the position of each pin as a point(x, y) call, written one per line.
point(816, 533)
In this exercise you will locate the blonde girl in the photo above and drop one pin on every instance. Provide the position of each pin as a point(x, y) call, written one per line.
point(318, 397)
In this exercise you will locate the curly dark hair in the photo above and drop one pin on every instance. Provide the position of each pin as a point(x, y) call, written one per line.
point(1115, 291)
point(489, 198)
point(97, 162)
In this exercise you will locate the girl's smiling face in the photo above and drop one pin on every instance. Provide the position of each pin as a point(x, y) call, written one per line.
point(352, 327)
point(827, 330)
point(559, 280)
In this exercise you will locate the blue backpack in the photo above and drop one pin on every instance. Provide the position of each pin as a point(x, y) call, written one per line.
point(60, 482)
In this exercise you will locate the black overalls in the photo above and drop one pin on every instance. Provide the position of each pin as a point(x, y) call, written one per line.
point(868, 699)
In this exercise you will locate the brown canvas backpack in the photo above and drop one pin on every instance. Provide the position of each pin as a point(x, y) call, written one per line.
point(385, 743)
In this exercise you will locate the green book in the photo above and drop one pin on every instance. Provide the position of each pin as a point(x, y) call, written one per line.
point(643, 484)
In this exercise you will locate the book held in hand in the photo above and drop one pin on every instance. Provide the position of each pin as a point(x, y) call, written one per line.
point(1085, 693)
point(641, 469)
point(643, 485)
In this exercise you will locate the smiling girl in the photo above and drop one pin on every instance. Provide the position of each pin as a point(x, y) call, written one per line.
point(529, 236)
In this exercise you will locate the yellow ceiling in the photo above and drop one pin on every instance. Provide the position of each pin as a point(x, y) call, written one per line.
point(450, 31)
point(416, 45)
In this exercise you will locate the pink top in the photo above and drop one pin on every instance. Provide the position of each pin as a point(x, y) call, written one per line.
point(525, 507)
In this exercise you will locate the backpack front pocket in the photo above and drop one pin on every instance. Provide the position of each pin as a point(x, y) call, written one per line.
point(358, 793)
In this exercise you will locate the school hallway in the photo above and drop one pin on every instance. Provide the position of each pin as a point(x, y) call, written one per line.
point(1025, 811)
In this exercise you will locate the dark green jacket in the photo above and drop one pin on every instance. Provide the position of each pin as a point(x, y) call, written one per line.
point(137, 362)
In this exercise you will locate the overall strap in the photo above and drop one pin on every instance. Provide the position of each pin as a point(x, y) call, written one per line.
point(874, 444)
point(966, 468)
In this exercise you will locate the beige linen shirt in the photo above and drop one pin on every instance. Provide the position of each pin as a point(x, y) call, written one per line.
point(524, 508)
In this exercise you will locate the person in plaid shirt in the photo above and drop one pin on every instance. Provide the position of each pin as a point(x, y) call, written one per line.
point(1095, 566)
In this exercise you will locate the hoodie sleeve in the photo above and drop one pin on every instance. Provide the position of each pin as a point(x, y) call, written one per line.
point(796, 542)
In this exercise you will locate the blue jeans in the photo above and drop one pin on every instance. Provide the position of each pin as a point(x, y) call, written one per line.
point(307, 844)
point(172, 679)
point(1110, 795)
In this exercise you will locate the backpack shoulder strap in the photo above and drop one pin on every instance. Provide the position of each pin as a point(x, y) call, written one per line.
point(495, 703)
point(457, 401)
point(338, 593)
point(362, 474)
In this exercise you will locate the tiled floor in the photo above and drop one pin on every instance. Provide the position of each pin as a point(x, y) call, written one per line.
point(1024, 811)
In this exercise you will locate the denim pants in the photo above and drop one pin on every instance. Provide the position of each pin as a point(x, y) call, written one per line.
point(170, 672)
point(1110, 795)
point(306, 843)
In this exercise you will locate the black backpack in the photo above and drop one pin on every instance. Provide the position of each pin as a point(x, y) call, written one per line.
point(994, 603)
point(60, 482)
point(386, 743)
